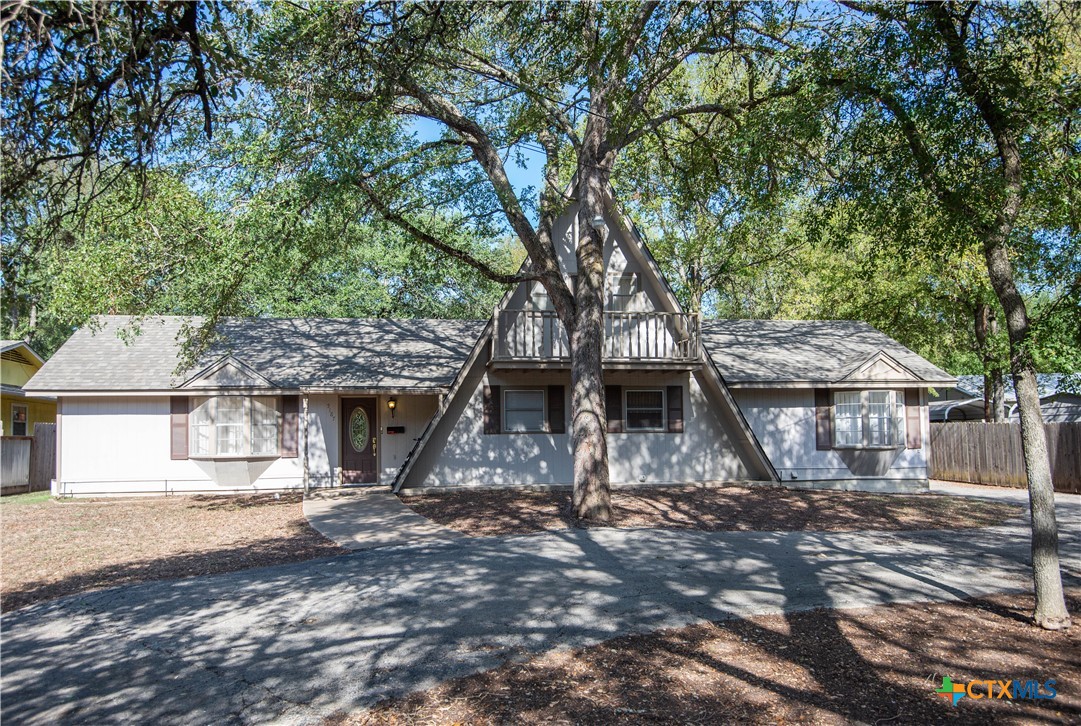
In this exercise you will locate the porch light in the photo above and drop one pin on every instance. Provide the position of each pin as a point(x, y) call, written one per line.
point(392, 404)
point(598, 222)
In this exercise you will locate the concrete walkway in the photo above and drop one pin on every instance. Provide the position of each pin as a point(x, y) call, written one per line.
point(292, 644)
point(1002, 494)
point(361, 519)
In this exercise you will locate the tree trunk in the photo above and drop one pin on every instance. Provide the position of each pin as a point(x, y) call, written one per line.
point(589, 421)
point(1050, 611)
point(993, 378)
point(998, 396)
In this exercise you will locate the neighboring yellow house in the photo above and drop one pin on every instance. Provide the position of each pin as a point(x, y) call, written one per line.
point(19, 411)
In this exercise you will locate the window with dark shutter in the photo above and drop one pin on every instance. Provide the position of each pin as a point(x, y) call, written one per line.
point(290, 427)
point(675, 409)
point(913, 419)
point(557, 416)
point(178, 427)
point(493, 401)
point(613, 406)
point(823, 432)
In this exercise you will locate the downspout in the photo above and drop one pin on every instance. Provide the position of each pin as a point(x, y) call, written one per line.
point(307, 480)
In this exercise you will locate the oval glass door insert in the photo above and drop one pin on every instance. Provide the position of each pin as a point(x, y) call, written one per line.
point(359, 429)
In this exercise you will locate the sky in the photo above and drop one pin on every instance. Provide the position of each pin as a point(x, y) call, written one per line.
point(530, 174)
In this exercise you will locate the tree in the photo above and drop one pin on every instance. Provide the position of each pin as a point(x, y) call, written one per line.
point(152, 246)
point(974, 105)
point(93, 90)
point(419, 106)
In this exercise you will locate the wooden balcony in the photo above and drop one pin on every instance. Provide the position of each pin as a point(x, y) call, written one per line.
point(536, 339)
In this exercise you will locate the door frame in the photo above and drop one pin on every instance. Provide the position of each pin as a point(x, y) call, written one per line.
point(343, 440)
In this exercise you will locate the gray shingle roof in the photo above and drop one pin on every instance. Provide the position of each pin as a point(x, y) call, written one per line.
point(292, 353)
point(764, 351)
point(401, 354)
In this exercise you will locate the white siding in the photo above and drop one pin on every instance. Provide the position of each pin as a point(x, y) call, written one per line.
point(783, 420)
point(412, 412)
point(323, 456)
point(469, 457)
point(121, 446)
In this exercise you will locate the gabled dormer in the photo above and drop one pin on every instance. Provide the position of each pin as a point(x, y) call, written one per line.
point(644, 325)
point(879, 367)
point(228, 372)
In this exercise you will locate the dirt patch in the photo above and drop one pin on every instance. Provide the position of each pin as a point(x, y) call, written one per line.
point(58, 547)
point(761, 509)
point(876, 665)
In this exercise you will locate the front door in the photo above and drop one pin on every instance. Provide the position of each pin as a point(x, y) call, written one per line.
point(359, 432)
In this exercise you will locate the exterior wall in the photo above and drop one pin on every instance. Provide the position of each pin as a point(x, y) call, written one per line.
point(783, 420)
point(36, 412)
point(413, 413)
point(120, 445)
point(14, 373)
point(467, 457)
point(618, 259)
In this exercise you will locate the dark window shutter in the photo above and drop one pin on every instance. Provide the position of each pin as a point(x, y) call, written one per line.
point(613, 406)
point(823, 425)
point(674, 397)
point(493, 405)
point(178, 427)
point(557, 416)
point(913, 419)
point(290, 426)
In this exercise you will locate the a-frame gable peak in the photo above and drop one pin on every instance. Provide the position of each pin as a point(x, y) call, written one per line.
point(228, 372)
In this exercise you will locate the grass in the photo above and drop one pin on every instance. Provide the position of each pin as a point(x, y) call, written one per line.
point(28, 498)
point(508, 512)
point(55, 547)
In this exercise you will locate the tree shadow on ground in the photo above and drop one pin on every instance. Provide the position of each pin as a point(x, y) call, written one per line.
point(822, 666)
point(300, 641)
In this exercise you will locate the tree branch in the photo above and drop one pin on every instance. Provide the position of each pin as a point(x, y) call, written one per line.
point(926, 163)
point(729, 111)
point(399, 220)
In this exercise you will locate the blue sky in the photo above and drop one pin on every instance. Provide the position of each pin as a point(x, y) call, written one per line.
point(531, 174)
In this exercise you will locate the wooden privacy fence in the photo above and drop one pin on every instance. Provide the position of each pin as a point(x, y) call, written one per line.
point(990, 453)
point(28, 463)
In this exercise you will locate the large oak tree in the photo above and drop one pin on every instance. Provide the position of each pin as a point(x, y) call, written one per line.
point(421, 106)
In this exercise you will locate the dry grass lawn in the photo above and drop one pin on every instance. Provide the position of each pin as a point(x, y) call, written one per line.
point(53, 547)
point(876, 665)
point(764, 509)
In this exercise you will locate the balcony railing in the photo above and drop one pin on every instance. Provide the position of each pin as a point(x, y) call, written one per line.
point(537, 336)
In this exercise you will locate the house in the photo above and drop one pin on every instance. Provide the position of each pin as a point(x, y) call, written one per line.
point(430, 404)
point(1059, 402)
point(20, 411)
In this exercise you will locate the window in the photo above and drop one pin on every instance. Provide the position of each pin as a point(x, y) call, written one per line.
point(523, 410)
point(622, 289)
point(264, 425)
point(234, 426)
point(645, 410)
point(848, 418)
point(229, 426)
point(874, 419)
point(18, 419)
point(540, 298)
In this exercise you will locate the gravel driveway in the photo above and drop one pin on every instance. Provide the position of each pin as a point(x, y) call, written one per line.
point(293, 643)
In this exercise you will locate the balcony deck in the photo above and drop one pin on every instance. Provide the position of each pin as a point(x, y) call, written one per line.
point(632, 340)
